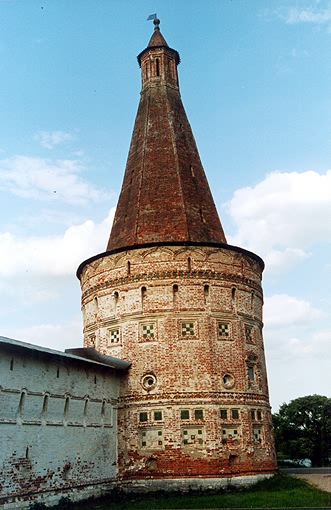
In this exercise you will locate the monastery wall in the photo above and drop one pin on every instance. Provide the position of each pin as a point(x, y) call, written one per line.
point(58, 421)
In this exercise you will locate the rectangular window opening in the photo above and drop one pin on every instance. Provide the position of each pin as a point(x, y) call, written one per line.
point(198, 414)
point(235, 414)
point(143, 416)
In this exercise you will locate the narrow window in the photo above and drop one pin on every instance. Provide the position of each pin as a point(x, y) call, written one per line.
point(95, 379)
point(21, 404)
point(143, 296)
point(189, 264)
point(252, 301)
point(116, 297)
point(233, 296)
point(57, 372)
point(253, 414)
point(206, 293)
point(11, 364)
point(157, 67)
point(85, 407)
point(250, 370)
point(103, 408)
point(259, 415)
point(95, 304)
point(175, 294)
point(45, 406)
point(27, 452)
point(129, 267)
point(66, 408)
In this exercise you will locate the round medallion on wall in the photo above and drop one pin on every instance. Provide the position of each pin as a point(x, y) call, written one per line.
point(148, 381)
point(228, 381)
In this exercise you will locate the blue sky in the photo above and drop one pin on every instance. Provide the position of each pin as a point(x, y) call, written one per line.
point(255, 82)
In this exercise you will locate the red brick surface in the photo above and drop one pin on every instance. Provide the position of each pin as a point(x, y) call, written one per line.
point(165, 195)
point(167, 286)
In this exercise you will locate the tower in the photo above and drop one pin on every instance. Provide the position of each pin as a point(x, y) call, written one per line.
point(171, 296)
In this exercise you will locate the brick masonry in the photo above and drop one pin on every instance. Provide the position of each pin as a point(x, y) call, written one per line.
point(195, 402)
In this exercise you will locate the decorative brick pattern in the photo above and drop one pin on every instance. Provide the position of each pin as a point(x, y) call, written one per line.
point(114, 336)
point(223, 330)
point(192, 436)
point(148, 331)
point(187, 329)
point(151, 438)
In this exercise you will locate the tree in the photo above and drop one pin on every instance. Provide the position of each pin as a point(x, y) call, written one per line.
point(303, 429)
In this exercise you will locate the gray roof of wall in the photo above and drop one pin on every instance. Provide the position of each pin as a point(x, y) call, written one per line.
point(80, 355)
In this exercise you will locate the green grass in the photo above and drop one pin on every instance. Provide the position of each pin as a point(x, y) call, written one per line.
point(278, 492)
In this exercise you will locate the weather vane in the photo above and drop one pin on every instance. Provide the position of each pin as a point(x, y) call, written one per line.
point(151, 16)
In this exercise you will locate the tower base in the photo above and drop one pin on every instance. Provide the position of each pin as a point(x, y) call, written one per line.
point(190, 484)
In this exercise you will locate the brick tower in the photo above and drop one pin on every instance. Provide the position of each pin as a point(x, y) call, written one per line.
point(173, 297)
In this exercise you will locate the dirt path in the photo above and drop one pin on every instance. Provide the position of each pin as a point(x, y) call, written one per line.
point(322, 481)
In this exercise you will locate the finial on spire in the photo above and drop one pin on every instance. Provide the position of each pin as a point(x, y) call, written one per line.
point(155, 19)
point(156, 22)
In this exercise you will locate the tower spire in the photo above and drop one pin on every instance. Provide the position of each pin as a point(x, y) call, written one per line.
point(165, 195)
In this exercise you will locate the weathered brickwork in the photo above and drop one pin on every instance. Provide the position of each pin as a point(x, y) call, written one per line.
point(58, 419)
point(195, 402)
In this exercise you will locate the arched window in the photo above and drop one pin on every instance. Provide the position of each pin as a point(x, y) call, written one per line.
point(21, 403)
point(189, 264)
point(45, 409)
point(157, 67)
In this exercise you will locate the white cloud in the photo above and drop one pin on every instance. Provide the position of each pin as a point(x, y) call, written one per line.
point(60, 336)
point(309, 14)
point(49, 139)
point(295, 330)
point(45, 179)
point(278, 259)
point(53, 255)
point(313, 12)
point(280, 310)
point(282, 216)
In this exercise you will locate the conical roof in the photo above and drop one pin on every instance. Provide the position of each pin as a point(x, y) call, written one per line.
point(165, 195)
point(157, 38)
